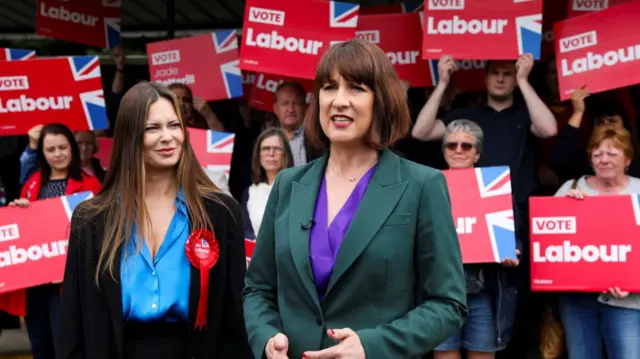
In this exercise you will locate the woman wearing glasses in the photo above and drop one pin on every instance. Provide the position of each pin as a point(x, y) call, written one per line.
point(490, 299)
point(271, 154)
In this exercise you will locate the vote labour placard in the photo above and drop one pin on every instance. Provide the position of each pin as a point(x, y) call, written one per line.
point(181, 61)
point(483, 213)
point(600, 50)
point(479, 29)
point(7, 54)
point(287, 38)
point(263, 92)
point(400, 36)
point(34, 252)
point(583, 7)
point(585, 245)
point(62, 89)
point(88, 22)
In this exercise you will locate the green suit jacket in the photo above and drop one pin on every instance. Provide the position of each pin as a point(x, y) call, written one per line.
point(397, 281)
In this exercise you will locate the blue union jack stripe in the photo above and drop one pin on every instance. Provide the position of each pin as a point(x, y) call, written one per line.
point(84, 67)
point(18, 54)
point(343, 14)
point(225, 40)
point(529, 31)
point(493, 181)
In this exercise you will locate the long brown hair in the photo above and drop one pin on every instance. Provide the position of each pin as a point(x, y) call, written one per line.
point(122, 196)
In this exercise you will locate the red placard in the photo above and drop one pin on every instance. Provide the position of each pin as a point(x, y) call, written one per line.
point(574, 249)
point(470, 75)
point(249, 246)
point(29, 255)
point(63, 89)
point(478, 29)
point(599, 50)
point(7, 54)
point(181, 61)
point(248, 80)
point(88, 22)
point(288, 38)
point(583, 7)
point(263, 91)
point(400, 36)
point(483, 213)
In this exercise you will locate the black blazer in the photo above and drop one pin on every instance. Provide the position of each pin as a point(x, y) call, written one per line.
point(91, 323)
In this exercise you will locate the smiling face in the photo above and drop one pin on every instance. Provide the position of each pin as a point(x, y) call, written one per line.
point(346, 110)
point(163, 136)
point(57, 152)
point(460, 150)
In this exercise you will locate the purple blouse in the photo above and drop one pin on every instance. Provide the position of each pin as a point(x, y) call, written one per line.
point(325, 240)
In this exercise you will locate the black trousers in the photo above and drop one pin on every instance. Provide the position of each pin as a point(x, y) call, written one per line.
point(43, 309)
point(157, 340)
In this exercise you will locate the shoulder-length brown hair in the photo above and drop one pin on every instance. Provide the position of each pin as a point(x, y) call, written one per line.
point(363, 63)
point(121, 199)
point(258, 174)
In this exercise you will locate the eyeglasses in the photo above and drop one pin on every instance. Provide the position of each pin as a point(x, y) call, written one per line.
point(275, 149)
point(465, 146)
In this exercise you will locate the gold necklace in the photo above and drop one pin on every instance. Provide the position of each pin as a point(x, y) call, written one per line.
point(353, 179)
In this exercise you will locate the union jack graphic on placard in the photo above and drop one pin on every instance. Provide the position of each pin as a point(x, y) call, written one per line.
point(529, 32)
point(16, 54)
point(84, 67)
point(213, 149)
point(344, 14)
point(72, 201)
point(482, 208)
point(225, 40)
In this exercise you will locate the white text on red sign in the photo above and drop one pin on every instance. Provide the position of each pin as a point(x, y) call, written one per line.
point(11, 83)
point(372, 36)
point(9, 232)
point(590, 5)
point(446, 4)
point(272, 86)
point(61, 13)
point(579, 41)
point(571, 253)
point(554, 225)
point(28, 104)
point(457, 26)
point(464, 225)
point(594, 61)
point(165, 57)
point(266, 16)
point(16, 255)
point(276, 41)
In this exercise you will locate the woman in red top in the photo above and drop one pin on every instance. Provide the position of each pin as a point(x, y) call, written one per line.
point(59, 173)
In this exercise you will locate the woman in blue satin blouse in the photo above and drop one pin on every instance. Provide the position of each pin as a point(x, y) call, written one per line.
point(138, 251)
point(357, 254)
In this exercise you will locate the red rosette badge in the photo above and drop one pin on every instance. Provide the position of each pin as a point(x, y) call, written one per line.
point(203, 251)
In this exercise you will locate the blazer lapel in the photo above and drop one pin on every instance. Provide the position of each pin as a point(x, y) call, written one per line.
point(113, 292)
point(301, 209)
point(383, 193)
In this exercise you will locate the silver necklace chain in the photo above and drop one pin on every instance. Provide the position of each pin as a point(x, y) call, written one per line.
point(353, 179)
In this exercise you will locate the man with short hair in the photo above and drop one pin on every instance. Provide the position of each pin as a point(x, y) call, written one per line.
point(290, 107)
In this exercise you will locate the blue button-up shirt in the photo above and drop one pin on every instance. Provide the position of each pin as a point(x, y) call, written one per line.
point(158, 289)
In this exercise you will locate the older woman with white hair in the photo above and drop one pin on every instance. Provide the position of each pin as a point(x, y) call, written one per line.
point(490, 297)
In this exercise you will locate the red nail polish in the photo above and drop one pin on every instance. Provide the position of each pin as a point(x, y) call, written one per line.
point(332, 332)
point(304, 356)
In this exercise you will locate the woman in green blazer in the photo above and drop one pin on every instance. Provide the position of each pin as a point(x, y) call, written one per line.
point(357, 255)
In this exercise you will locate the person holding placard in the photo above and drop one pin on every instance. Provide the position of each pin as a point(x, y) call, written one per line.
point(156, 261)
point(357, 254)
point(594, 323)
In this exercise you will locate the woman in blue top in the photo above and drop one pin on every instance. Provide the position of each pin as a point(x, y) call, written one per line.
point(156, 261)
point(357, 255)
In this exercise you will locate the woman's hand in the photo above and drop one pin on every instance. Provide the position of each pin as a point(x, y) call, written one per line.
point(510, 262)
point(616, 292)
point(575, 193)
point(277, 347)
point(349, 347)
point(34, 135)
point(21, 202)
point(577, 100)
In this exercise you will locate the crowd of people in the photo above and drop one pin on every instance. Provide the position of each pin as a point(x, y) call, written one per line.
point(356, 251)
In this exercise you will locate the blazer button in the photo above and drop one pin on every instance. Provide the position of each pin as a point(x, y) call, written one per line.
point(318, 321)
